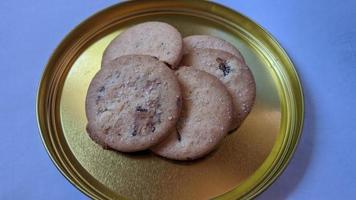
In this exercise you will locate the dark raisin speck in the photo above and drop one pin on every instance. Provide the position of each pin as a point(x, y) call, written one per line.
point(151, 125)
point(134, 133)
point(155, 57)
point(101, 110)
point(179, 102)
point(169, 65)
point(102, 89)
point(226, 69)
point(179, 137)
point(140, 109)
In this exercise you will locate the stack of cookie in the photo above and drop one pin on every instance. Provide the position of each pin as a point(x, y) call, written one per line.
point(177, 97)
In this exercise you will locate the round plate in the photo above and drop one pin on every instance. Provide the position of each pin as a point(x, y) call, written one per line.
point(246, 163)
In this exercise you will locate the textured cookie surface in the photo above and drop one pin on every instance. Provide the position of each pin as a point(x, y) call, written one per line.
point(156, 39)
point(209, 42)
point(132, 103)
point(205, 118)
point(234, 73)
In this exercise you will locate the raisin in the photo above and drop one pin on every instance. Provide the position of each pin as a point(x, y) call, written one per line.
point(140, 109)
point(134, 132)
point(102, 89)
point(101, 110)
point(226, 69)
point(151, 125)
point(169, 65)
point(179, 137)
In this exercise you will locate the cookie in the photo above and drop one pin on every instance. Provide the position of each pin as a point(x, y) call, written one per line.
point(231, 71)
point(132, 103)
point(157, 39)
point(205, 119)
point(209, 42)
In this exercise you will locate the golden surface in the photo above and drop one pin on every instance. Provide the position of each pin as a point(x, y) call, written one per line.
point(246, 162)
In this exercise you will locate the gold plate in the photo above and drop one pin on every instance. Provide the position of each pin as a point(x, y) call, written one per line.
point(245, 164)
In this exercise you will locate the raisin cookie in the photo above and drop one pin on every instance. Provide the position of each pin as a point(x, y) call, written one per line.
point(132, 103)
point(205, 119)
point(230, 70)
point(156, 39)
point(209, 42)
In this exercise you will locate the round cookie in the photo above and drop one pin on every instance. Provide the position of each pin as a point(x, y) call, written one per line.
point(156, 39)
point(209, 42)
point(230, 70)
point(205, 119)
point(132, 103)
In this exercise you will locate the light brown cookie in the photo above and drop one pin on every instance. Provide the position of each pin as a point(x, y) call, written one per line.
point(209, 42)
point(230, 70)
point(205, 119)
point(132, 103)
point(156, 39)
